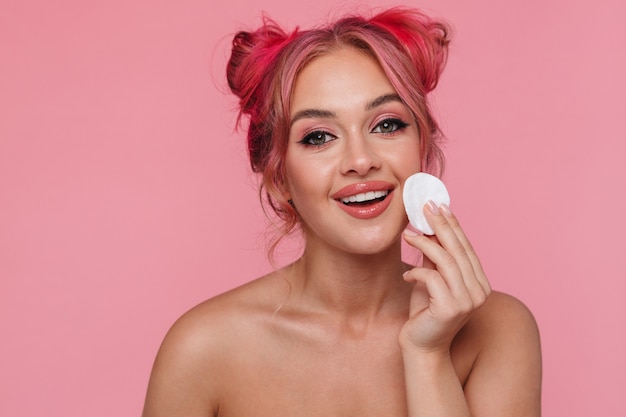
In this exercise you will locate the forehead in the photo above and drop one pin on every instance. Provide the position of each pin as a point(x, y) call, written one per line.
point(340, 78)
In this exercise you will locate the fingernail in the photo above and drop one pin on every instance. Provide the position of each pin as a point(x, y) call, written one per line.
point(432, 207)
point(409, 233)
point(445, 210)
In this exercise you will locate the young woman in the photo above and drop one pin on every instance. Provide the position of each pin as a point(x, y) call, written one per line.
point(338, 119)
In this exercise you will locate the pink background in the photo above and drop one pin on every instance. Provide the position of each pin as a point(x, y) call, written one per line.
point(125, 195)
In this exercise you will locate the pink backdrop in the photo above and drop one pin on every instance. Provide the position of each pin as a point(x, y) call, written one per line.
point(125, 196)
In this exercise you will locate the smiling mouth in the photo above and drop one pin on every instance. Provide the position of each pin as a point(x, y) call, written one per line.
point(363, 199)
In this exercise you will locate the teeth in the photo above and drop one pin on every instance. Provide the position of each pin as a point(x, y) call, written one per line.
point(361, 197)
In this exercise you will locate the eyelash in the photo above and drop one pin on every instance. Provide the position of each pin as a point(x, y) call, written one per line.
point(399, 125)
point(328, 137)
point(316, 134)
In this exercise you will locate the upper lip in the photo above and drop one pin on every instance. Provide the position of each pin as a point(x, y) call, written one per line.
point(362, 187)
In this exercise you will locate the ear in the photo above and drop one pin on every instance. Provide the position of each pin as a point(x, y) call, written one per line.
point(285, 193)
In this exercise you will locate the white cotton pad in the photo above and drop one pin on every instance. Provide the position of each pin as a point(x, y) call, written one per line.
point(418, 190)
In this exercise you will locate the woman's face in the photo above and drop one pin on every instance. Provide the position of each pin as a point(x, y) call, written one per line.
point(352, 144)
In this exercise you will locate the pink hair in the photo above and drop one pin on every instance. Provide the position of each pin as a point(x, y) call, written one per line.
point(410, 47)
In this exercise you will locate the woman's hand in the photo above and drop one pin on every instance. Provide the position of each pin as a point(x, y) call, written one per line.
point(449, 285)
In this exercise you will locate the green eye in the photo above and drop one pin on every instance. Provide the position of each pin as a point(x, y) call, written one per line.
point(317, 138)
point(389, 126)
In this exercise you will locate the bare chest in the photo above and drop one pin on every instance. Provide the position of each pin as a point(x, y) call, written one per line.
point(285, 372)
point(344, 381)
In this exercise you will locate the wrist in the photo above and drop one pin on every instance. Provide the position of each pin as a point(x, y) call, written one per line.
point(409, 347)
point(426, 357)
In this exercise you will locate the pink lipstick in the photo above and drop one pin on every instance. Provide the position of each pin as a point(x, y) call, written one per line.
point(364, 200)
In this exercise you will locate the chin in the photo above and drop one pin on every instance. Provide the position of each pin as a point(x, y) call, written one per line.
point(374, 246)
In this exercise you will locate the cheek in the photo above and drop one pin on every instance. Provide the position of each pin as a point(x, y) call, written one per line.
point(296, 181)
point(290, 180)
point(299, 183)
point(307, 178)
point(405, 158)
point(414, 155)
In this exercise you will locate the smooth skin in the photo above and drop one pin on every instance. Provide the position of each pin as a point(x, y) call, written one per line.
point(349, 329)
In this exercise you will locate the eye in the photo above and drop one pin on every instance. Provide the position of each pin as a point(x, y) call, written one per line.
point(389, 126)
point(317, 138)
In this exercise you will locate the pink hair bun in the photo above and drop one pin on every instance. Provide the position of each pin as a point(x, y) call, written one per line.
point(418, 190)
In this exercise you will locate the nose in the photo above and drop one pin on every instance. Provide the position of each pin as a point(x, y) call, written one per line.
point(359, 156)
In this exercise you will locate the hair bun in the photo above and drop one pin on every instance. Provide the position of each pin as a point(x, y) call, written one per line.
point(425, 39)
point(252, 56)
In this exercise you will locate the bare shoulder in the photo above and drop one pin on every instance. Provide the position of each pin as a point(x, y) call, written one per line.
point(506, 313)
point(506, 374)
point(206, 330)
point(195, 352)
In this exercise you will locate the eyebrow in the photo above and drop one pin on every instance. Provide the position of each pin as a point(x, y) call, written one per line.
point(327, 114)
point(311, 114)
point(383, 100)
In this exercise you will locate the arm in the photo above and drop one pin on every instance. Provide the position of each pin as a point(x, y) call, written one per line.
point(506, 377)
point(451, 292)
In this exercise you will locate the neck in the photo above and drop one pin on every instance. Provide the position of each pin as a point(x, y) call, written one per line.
point(351, 285)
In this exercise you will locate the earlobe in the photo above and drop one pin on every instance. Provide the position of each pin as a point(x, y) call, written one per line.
point(284, 187)
point(286, 196)
point(286, 193)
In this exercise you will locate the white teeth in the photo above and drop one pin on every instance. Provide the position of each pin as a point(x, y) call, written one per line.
point(361, 197)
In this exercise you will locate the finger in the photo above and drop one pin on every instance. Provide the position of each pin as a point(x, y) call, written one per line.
point(436, 287)
point(426, 261)
point(454, 241)
point(443, 306)
point(468, 249)
point(436, 257)
point(447, 235)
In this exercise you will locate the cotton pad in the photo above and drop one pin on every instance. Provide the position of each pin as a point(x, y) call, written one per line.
point(418, 190)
